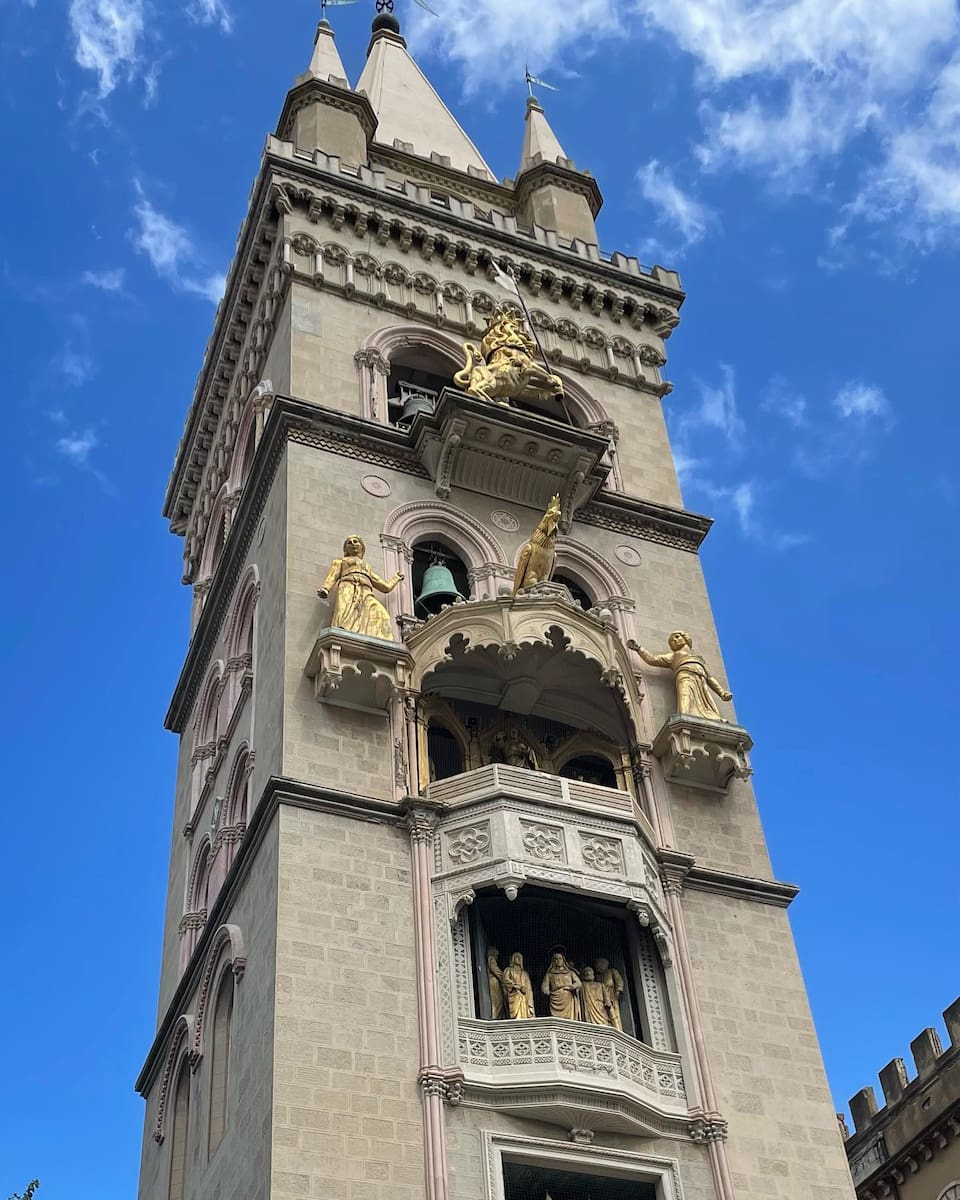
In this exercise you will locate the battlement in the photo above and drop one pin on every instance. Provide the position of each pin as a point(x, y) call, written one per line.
point(914, 1109)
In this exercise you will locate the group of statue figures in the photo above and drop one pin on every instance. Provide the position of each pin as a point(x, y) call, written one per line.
point(500, 369)
point(590, 994)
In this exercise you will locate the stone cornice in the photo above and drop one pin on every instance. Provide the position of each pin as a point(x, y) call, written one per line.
point(321, 91)
point(545, 173)
point(278, 791)
point(742, 887)
point(642, 518)
point(894, 1170)
point(383, 445)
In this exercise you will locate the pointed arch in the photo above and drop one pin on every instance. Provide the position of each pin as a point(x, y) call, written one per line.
point(226, 952)
point(236, 806)
point(218, 527)
point(241, 636)
point(181, 1039)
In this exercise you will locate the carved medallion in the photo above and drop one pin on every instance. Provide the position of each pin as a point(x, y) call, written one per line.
point(467, 845)
point(602, 854)
point(504, 520)
point(544, 842)
point(376, 485)
point(628, 555)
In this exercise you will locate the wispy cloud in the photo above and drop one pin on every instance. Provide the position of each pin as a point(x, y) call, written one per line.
point(716, 410)
point(171, 251)
point(74, 365)
point(785, 402)
point(104, 281)
point(677, 211)
point(841, 430)
point(77, 447)
point(211, 12)
point(861, 402)
point(107, 36)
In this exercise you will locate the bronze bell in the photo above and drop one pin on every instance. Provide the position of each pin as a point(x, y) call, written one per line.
point(438, 588)
point(415, 401)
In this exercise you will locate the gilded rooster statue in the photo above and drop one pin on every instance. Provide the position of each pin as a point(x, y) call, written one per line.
point(539, 554)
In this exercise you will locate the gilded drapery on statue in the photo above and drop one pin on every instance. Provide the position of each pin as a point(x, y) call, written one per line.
point(518, 989)
point(595, 999)
point(612, 981)
point(694, 682)
point(538, 556)
point(503, 367)
point(562, 985)
point(355, 607)
point(495, 981)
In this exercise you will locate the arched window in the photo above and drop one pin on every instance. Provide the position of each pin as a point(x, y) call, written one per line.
point(444, 752)
point(576, 590)
point(220, 1062)
point(176, 1189)
point(417, 376)
point(952, 1192)
point(590, 768)
point(430, 558)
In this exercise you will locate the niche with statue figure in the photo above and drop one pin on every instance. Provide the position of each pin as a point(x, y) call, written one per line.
point(463, 735)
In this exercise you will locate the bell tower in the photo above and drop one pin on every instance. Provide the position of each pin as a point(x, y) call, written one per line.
point(468, 893)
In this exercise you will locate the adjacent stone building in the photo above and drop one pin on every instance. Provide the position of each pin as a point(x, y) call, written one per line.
point(460, 905)
point(910, 1148)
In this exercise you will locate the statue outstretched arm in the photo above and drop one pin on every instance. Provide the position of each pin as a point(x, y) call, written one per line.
point(385, 585)
point(655, 660)
point(332, 576)
point(718, 687)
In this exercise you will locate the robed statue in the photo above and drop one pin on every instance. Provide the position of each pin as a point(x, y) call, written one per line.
point(694, 682)
point(355, 606)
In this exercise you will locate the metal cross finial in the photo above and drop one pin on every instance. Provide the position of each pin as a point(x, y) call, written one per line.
point(532, 81)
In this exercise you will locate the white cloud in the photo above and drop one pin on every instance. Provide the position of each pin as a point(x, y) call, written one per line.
point(77, 447)
point(716, 410)
point(211, 12)
point(676, 209)
point(785, 402)
point(107, 36)
point(74, 366)
point(861, 402)
point(105, 281)
point(172, 252)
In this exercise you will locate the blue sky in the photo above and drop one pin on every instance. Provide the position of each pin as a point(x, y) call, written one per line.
point(796, 160)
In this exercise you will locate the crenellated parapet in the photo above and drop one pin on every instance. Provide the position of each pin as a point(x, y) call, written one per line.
point(920, 1118)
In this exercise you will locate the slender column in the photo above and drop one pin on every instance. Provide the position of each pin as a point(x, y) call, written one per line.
point(422, 825)
point(711, 1128)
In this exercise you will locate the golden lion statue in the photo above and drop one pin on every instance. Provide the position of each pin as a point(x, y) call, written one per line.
point(502, 368)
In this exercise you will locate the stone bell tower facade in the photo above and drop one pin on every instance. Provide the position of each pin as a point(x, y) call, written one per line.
point(468, 892)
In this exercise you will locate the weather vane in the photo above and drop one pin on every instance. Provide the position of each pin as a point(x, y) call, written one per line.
point(533, 81)
point(325, 4)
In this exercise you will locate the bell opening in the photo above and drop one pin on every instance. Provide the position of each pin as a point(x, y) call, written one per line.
point(439, 578)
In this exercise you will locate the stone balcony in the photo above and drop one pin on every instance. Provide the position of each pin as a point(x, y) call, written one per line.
point(507, 452)
point(358, 672)
point(701, 754)
point(573, 1074)
point(538, 787)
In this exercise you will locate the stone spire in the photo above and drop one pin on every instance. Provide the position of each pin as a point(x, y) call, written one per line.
point(410, 114)
point(321, 112)
point(550, 191)
point(325, 62)
point(540, 143)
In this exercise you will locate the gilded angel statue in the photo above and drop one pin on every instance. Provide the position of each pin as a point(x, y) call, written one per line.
point(356, 608)
point(503, 367)
point(694, 682)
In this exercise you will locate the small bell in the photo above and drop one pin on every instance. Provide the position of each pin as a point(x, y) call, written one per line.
point(415, 400)
point(438, 589)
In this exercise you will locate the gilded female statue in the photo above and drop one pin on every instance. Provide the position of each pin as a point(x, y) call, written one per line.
point(356, 608)
point(612, 980)
point(518, 989)
point(562, 984)
point(596, 1000)
point(495, 982)
point(694, 682)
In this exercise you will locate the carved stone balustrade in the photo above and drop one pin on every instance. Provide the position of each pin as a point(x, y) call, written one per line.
point(354, 671)
point(697, 753)
point(560, 1071)
point(502, 780)
point(507, 452)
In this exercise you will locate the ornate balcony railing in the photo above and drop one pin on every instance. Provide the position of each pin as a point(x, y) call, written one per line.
point(554, 1056)
point(499, 779)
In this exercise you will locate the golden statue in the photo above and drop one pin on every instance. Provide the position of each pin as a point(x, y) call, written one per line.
point(495, 980)
point(694, 681)
point(562, 984)
point(539, 554)
point(356, 608)
point(596, 1001)
point(515, 751)
point(502, 368)
point(612, 981)
point(518, 989)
